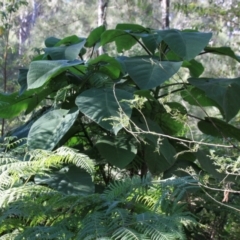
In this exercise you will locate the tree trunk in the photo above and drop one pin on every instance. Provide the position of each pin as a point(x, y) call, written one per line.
point(102, 15)
point(165, 4)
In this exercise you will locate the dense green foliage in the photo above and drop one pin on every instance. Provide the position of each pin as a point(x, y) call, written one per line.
point(126, 114)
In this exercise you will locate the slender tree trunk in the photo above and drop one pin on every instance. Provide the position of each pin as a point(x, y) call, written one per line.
point(165, 5)
point(102, 17)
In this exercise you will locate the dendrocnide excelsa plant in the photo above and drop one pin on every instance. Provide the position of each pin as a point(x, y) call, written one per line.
point(123, 114)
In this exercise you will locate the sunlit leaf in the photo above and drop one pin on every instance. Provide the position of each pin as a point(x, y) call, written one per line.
point(100, 105)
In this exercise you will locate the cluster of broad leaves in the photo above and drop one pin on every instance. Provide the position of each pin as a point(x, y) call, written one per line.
point(107, 106)
point(90, 96)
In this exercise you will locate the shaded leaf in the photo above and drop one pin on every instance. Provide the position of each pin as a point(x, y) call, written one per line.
point(225, 92)
point(195, 67)
point(68, 180)
point(48, 130)
point(107, 65)
point(151, 42)
point(218, 128)
point(22, 80)
point(226, 51)
point(197, 97)
point(208, 165)
point(119, 151)
point(159, 154)
point(51, 41)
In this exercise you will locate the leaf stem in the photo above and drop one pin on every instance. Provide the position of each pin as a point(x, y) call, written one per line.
point(166, 94)
point(141, 45)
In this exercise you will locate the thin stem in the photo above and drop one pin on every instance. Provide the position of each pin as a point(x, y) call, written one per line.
point(174, 84)
point(142, 45)
point(166, 94)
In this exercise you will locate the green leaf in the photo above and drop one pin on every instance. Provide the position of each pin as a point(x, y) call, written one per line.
point(195, 68)
point(131, 27)
point(99, 104)
point(22, 80)
point(73, 39)
point(148, 73)
point(177, 107)
point(68, 180)
point(172, 125)
point(159, 159)
point(95, 36)
point(225, 92)
point(40, 72)
point(159, 154)
point(226, 51)
point(123, 40)
point(197, 97)
point(181, 164)
point(11, 105)
point(125, 36)
point(107, 65)
point(208, 164)
point(51, 41)
point(217, 128)
point(118, 151)
point(49, 129)
point(151, 42)
point(187, 45)
point(23, 130)
point(70, 52)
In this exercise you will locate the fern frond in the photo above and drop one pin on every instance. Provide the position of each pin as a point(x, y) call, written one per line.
point(127, 233)
point(93, 227)
point(60, 156)
point(43, 233)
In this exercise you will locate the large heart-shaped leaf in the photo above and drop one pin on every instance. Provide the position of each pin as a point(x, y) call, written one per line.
point(68, 180)
point(186, 44)
point(148, 73)
point(107, 65)
point(123, 40)
point(70, 52)
point(151, 42)
point(208, 165)
point(69, 40)
point(51, 41)
point(225, 92)
point(48, 130)
point(94, 36)
point(41, 72)
point(100, 105)
point(23, 130)
point(158, 154)
point(119, 151)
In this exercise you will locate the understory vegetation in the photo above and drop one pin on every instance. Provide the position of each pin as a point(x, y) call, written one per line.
point(129, 142)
